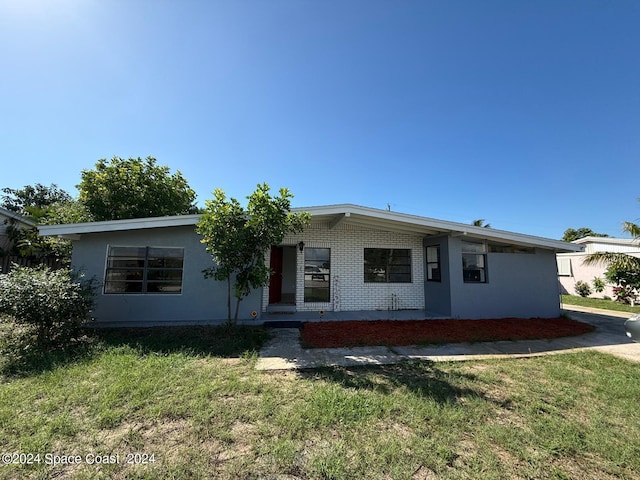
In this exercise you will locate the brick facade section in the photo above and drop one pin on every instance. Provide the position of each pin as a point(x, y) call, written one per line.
point(348, 291)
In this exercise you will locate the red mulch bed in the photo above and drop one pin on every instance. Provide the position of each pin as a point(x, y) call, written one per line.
point(416, 332)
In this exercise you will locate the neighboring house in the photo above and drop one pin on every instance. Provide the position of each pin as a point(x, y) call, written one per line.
point(348, 261)
point(572, 270)
point(8, 219)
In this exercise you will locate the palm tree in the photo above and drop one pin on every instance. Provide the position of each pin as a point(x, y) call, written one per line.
point(480, 223)
point(622, 261)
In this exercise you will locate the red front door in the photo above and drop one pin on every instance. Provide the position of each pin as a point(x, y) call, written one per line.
point(275, 282)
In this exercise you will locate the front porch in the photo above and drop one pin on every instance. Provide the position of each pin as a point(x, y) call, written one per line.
point(284, 317)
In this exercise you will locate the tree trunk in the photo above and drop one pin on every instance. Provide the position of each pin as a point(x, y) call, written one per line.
point(235, 319)
point(229, 298)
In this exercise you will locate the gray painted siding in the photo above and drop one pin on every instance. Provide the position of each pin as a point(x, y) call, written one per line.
point(519, 285)
point(202, 300)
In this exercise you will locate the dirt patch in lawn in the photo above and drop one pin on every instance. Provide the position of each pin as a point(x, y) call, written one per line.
point(417, 332)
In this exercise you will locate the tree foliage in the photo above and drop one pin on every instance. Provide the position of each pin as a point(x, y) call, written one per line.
point(134, 188)
point(33, 200)
point(28, 242)
point(626, 281)
point(571, 234)
point(480, 223)
point(238, 238)
point(44, 206)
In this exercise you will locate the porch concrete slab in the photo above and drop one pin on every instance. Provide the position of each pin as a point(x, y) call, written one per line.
point(284, 352)
point(330, 316)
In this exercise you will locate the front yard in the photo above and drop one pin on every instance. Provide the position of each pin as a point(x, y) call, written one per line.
point(190, 411)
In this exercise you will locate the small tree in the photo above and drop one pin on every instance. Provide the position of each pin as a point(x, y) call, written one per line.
point(238, 238)
point(626, 280)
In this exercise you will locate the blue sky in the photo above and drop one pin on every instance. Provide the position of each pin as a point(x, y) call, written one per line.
point(524, 113)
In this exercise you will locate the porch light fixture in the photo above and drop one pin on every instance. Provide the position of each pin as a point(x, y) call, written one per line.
point(301, 246)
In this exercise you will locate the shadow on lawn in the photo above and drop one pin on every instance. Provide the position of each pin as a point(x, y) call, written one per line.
point(216, 341)
point(423, 379)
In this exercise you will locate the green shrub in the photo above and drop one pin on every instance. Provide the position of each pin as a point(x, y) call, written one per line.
point(42, 309)
point(18, 341)
point(582, 288)
point(598, 284)
point(625, 294)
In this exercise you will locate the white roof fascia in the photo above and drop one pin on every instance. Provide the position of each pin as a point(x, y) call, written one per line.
point(16, 217)
point(446, 226)
point(118, 225)
point(608, 240)
point(348, 212)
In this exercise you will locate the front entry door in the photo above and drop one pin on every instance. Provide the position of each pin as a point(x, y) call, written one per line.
point(275, 282)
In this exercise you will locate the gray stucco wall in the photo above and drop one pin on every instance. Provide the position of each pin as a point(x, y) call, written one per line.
point(202, 301)
point(519, 285)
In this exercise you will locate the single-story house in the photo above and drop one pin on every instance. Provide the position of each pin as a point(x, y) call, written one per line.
point(571, 268)
point(349, 260)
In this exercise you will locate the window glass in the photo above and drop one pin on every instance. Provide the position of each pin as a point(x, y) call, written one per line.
point(317, 274)
point(494, 248)
point(474, 259)
point(144, 270)
point(469, 247)
point(433, 264)
point(387, 265)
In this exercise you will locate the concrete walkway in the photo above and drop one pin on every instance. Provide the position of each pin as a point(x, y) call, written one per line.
point(284, 352)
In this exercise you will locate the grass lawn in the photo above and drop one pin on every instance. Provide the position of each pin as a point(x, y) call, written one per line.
point(599, 303)
point(202, 414)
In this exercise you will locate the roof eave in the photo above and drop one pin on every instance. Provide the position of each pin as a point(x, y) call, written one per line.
point(17, 217)
point(432, 226)
point(334, 214)
point(74, 229)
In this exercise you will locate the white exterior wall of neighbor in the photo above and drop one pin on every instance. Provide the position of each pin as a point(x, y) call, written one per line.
point(611, 247)
point(348, 291)
point(578, 271)
point(571, 268)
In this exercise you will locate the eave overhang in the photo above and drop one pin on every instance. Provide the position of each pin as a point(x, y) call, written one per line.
point(334, 216)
